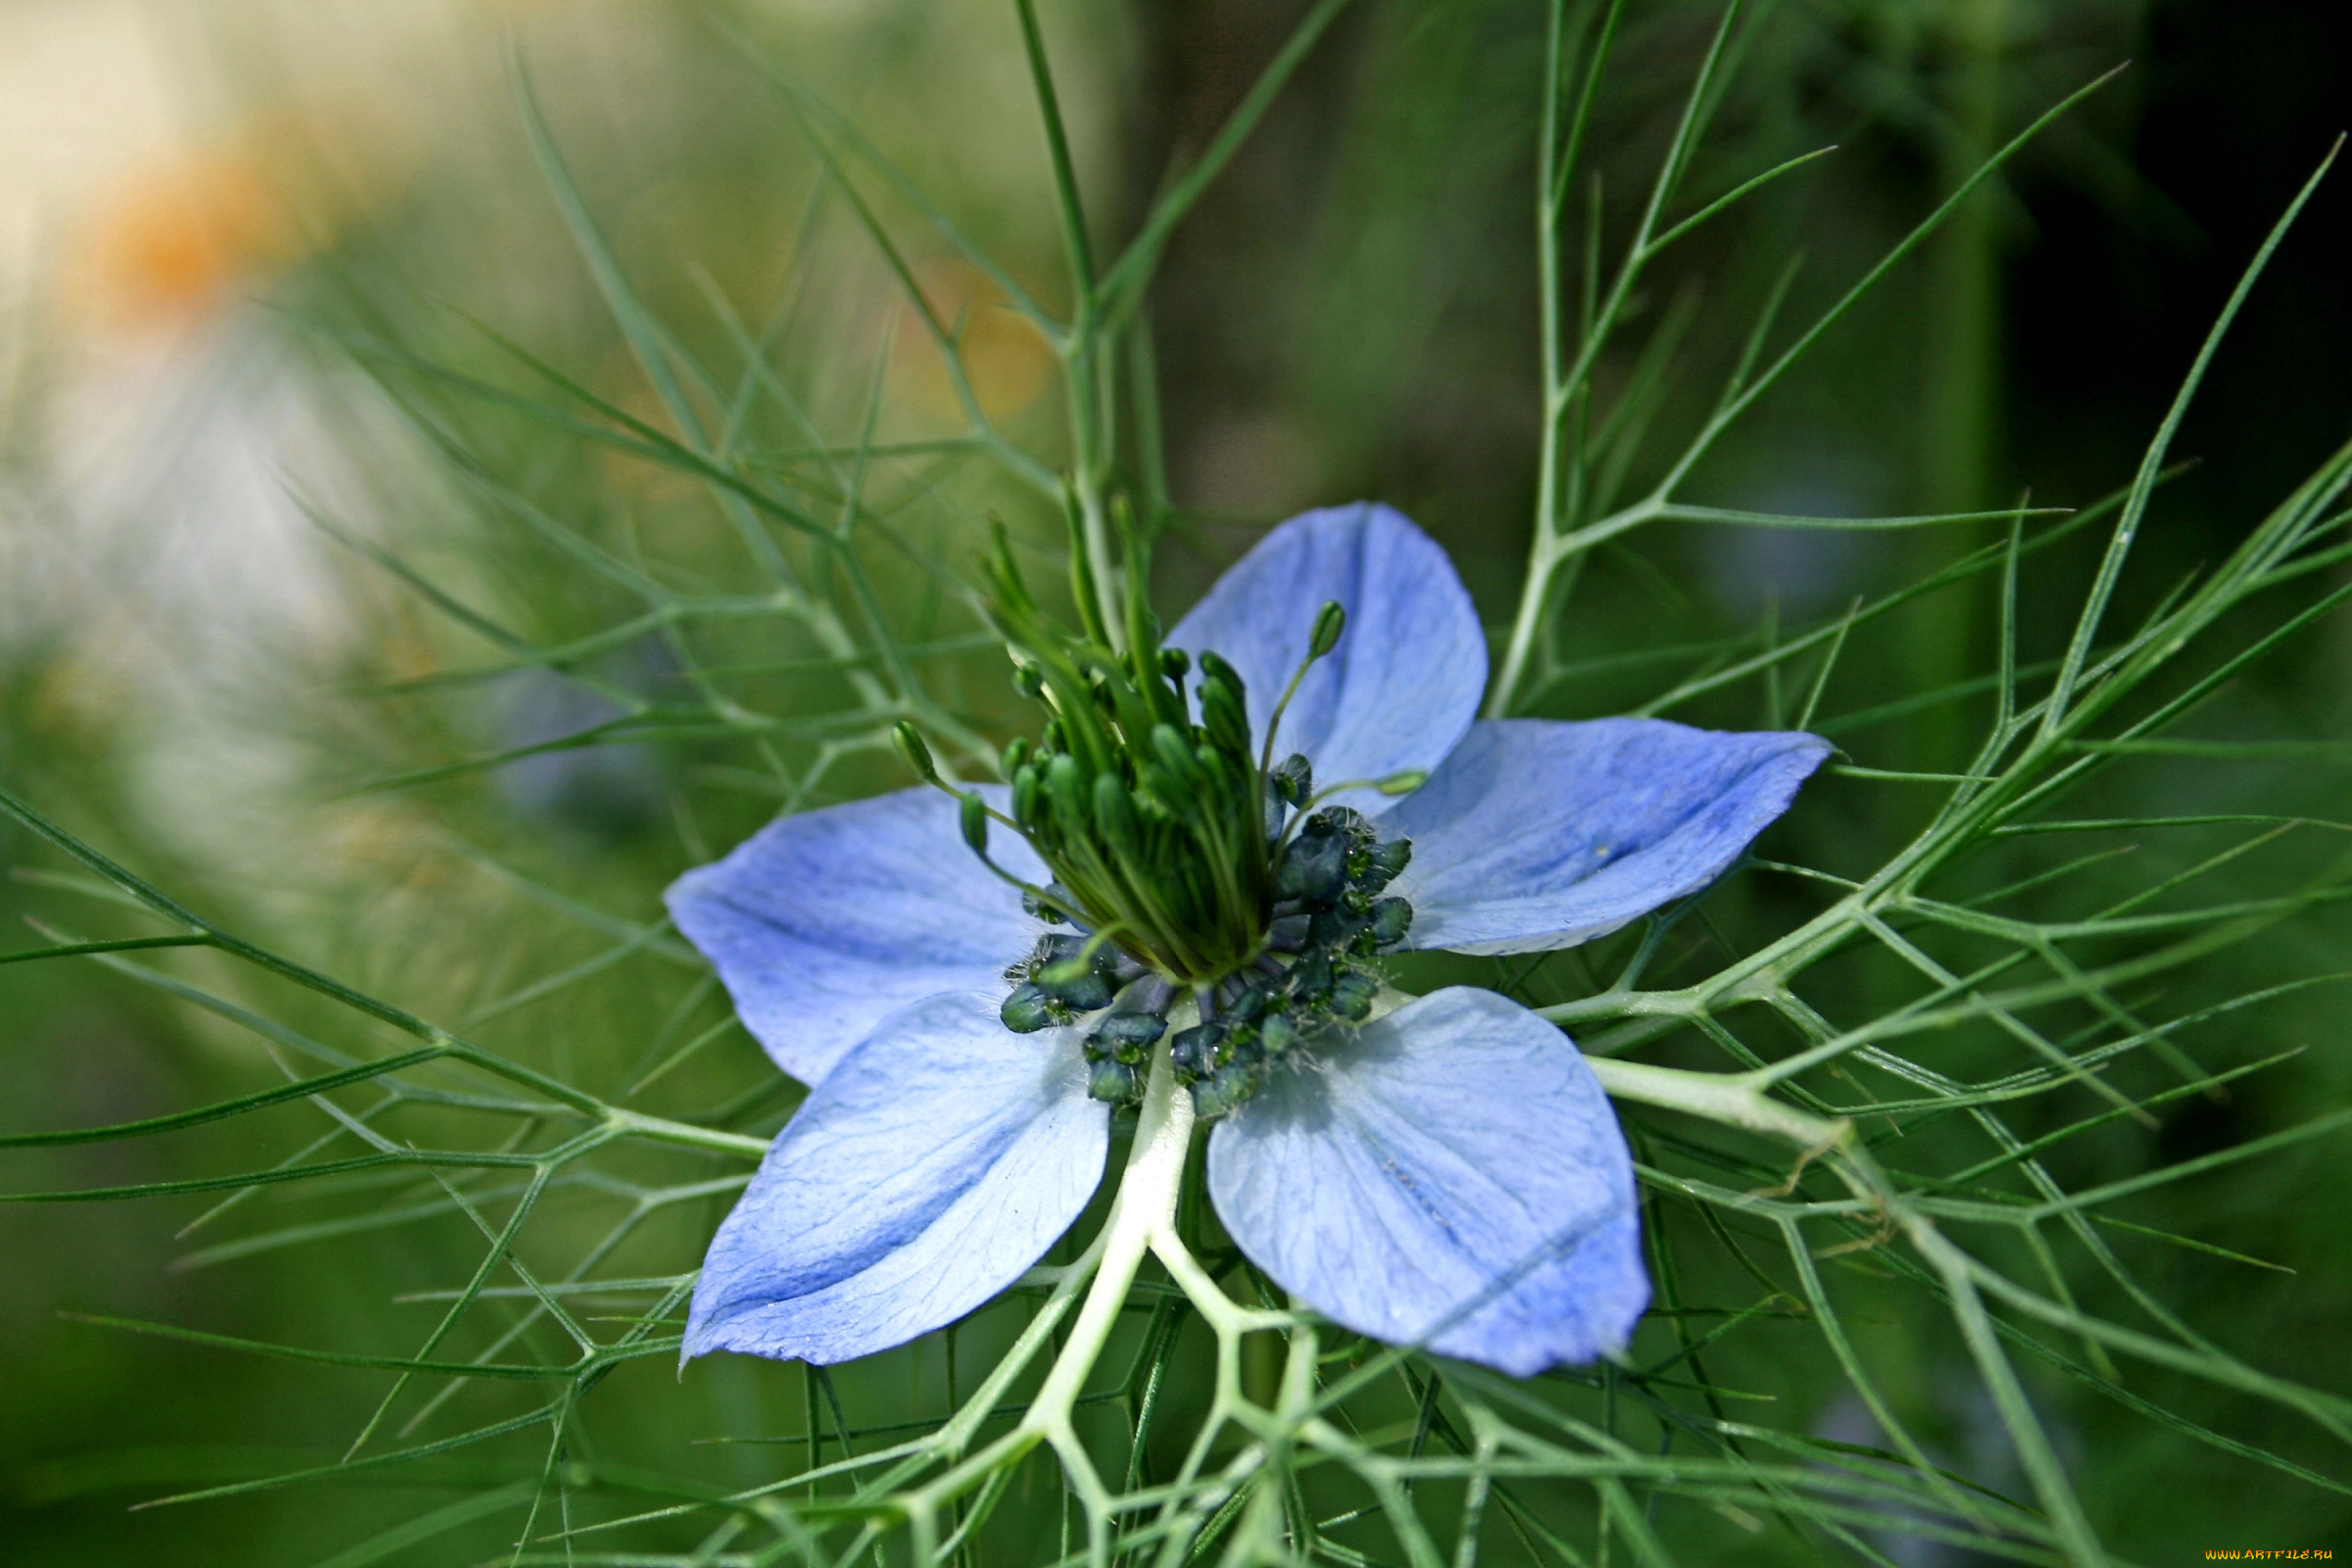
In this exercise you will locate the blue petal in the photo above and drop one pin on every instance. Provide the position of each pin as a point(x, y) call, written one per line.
point(824, 923)
point(1404, 681)
point(1538, 835)
point(938, 1159)
point(1452, 1175)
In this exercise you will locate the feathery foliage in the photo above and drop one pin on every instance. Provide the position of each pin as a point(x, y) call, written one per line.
point(1877, 1098)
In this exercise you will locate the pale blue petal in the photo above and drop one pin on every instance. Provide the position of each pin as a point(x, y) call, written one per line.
point(1404, 681)
point(938, 1160)
point(824, 923)
point(1537, 835)
point(1451, 1175)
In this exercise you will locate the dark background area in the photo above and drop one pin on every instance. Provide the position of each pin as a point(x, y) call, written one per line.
point(2118, 238)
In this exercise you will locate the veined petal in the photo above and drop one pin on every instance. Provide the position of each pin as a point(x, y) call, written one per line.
point(824, 923)
point(1406, 679)
point(1538, 835)
point(1452, 1175)
point(938, 1159)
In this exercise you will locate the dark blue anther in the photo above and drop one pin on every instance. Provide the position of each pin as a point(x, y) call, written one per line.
point(1027, 1010)
point(1081, 993)
point(1151, 995)
point(1352, 995)
point(1388, 858)
point(1337, 928)
point(1074, 971)
point(1060, 949)
point(1392, 918)
point(1314, 867)
point(1127, 1035)
point(1191, 1050)
point(1227, 1088)
point(1113, 1081)
point(1311, 976)
point(1245, 1002)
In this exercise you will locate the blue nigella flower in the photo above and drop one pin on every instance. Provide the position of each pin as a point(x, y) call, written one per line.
point(962, 1037)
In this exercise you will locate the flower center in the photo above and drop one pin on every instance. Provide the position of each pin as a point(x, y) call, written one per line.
point(1309, 973)
point(1183, 865)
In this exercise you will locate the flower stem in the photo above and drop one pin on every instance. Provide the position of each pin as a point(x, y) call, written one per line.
point(1142, 1221)
point(660, 1129)
point(1731, 1098)
point(1144, 1209)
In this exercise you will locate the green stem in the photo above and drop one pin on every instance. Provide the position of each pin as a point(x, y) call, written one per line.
point(1143, 1210)
point(1143, 1220)
point(660, 1129)
point(1733, 1099)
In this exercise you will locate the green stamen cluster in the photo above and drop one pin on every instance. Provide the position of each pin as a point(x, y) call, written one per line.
point(1186, 864)
point(1153, 823)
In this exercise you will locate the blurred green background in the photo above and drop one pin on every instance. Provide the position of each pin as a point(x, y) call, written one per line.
point(209, 204)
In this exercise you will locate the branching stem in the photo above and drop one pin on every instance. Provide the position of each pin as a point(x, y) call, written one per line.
point(1734, 1100)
